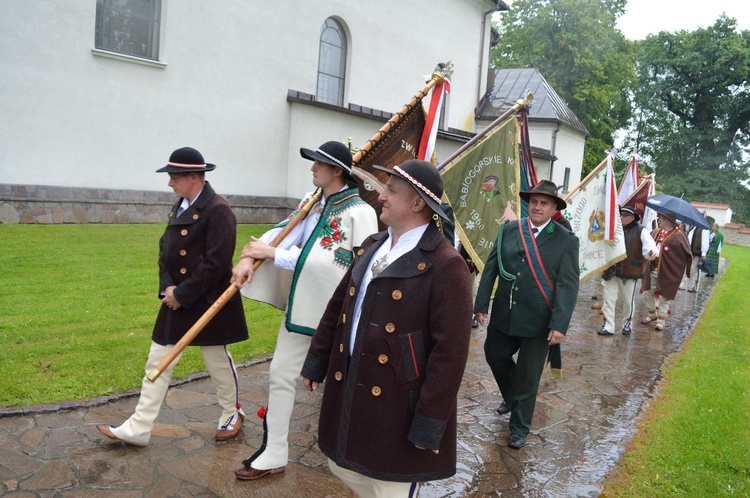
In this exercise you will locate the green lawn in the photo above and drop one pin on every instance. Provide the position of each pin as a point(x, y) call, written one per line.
point(77, 307)
point(77, 304)
point(695, 437)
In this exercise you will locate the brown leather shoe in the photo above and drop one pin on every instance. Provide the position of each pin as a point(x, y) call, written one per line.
point(106, 431)
point(251, 474)
point(226, 434)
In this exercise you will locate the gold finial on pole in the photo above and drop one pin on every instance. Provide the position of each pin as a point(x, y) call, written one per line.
point(443, 71)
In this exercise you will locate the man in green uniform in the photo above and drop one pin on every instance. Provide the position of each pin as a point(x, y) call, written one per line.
point(536, 260)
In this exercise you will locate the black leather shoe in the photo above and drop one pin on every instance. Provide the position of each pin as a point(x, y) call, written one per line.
point(474, 324)
point(626, 330)
point(604, 331)
point(517, 441)
point(503, 408)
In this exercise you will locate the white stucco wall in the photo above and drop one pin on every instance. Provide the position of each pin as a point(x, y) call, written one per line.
point(72, 118)
point(721, 215)
point(563, 143)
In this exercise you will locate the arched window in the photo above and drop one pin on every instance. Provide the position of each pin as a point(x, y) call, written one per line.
point(331, 63)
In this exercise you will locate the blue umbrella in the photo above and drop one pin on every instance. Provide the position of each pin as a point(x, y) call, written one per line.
point(683, 210)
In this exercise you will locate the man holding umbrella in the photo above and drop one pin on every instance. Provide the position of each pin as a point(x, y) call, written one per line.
point(666, 270)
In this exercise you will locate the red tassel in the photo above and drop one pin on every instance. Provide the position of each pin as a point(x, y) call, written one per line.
point(262, 412)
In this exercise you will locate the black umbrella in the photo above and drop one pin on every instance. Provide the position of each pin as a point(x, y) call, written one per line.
point(682, 209)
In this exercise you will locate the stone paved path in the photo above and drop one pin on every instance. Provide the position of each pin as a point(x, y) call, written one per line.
point(581, 426)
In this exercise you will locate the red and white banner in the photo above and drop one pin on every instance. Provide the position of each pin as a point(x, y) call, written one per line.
point(429, 134)
point(590, 208)
point(611, 213)
point(629, 181)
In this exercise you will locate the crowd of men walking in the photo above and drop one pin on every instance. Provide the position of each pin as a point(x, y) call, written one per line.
point(385, 317)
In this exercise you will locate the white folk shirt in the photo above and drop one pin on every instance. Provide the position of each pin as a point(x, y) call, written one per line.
point(288, 251)
point(185, 204)
point(648, 244)
point(406, 243)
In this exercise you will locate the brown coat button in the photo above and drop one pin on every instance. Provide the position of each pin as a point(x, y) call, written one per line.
point(396, 295)
point(376, 391)
point(338, 376)
point(390, 328)
point(352, 291)
point(183, 270)
point(360, 252)
point(341, 347)
point(196, 216)
point(183, 252)
point(183, 232)
point(421, 266)
point(383, 359)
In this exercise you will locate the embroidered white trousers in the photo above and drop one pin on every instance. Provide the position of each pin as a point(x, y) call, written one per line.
point(615, 288)
point(367, 487)
point(137, 429)
point(284, 372)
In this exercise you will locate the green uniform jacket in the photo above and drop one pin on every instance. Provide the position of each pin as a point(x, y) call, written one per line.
point(526, 314)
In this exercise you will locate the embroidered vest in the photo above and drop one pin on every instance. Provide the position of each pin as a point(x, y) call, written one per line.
point(632, 265)
point(695, 245)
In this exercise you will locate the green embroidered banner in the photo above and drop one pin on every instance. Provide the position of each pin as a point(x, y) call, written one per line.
point(481, 186)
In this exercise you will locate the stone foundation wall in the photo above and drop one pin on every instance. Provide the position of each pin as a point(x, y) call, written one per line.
point(736, 233)
point(52, 205)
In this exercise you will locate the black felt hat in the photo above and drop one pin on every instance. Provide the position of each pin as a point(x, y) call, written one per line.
point(332, 153)
point(424, 178)
point(186, 160)
point(628, 209)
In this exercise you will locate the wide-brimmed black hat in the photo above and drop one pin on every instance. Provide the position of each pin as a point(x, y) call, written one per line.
point(628, 209)
point(186, 160)
point(332, 153)
point(545, 187)
point(670, 215)
point(424, 178)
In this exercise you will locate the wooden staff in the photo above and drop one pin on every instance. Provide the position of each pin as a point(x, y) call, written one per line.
point(196, 329)
point(583, 182)
point(520, 104)
point(437, 77)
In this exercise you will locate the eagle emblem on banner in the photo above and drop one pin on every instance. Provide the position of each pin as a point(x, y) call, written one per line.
point(596, 225)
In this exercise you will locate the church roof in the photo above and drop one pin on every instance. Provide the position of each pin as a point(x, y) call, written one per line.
point(506, 86)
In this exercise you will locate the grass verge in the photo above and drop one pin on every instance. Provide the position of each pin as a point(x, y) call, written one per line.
point(77, 307)
point(694, 439)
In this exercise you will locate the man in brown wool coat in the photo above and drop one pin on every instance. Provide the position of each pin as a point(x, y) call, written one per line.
point(392, 346)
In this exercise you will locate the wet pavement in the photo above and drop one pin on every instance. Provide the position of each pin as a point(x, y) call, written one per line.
point(581, 426)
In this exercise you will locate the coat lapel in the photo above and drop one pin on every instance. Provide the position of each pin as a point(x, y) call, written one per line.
point(547, 234)
point(192, 213)
point(359, 270)
point(414, 262)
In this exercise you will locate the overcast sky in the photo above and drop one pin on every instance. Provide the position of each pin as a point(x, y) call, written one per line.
point(644, 17)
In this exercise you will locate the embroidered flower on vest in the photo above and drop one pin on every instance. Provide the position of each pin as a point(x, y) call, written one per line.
point(332, 235)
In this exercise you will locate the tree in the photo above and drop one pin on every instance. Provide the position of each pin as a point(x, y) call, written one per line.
point(692, 119)
point(577, 47)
